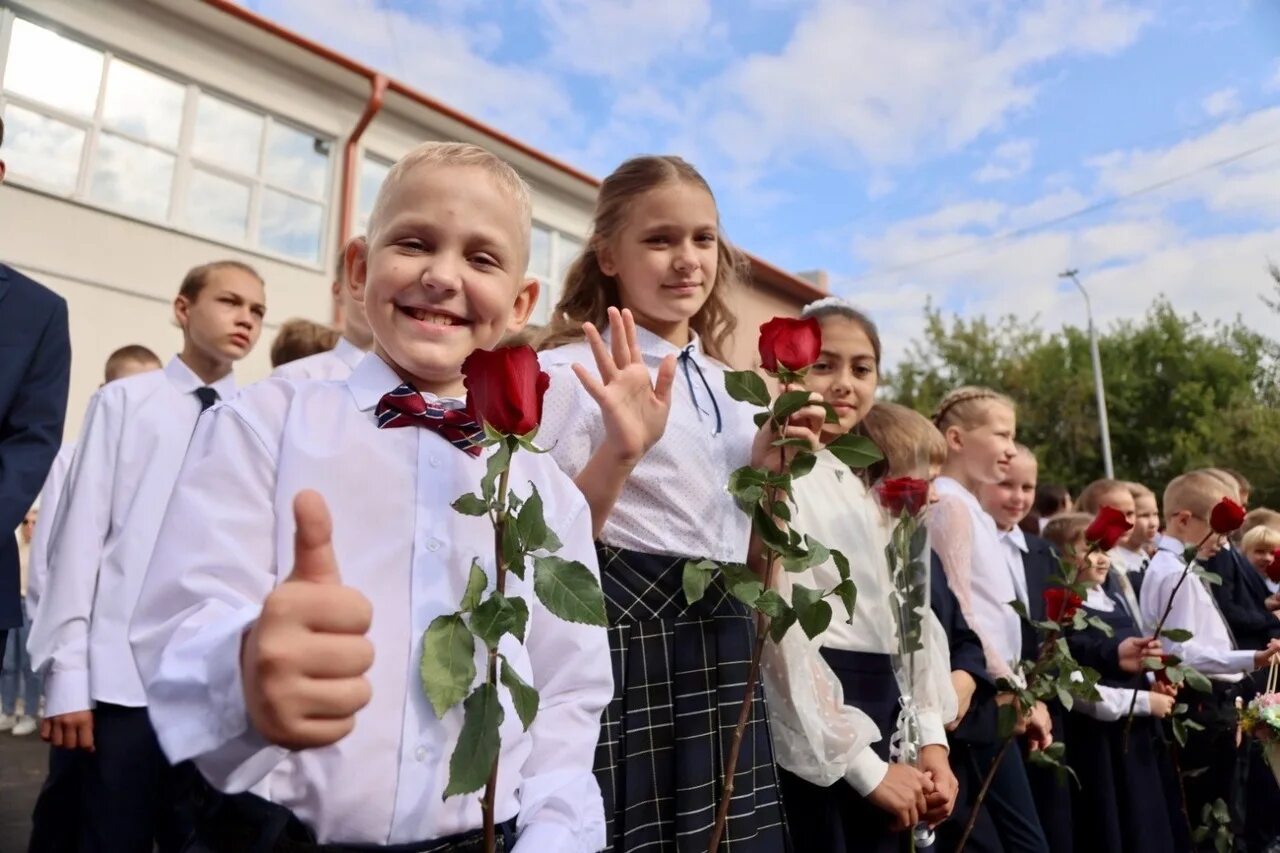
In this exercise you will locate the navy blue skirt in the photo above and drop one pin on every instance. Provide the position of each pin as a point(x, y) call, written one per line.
point(679, 672)
point(836, 819)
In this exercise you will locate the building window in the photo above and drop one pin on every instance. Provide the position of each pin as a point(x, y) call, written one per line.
point(550, 254)
point(91, 126)
point(373, 171)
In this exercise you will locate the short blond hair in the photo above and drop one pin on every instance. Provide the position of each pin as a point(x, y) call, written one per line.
point(1139, 491)
point(458, 154)
point(1066, 529)
point(1260, 517)
point(1261, 537)
point(300, 338)
point(967, 407)
point(1197, 492)
point(1090, 498)
point(1222, 474)
point(905, 437)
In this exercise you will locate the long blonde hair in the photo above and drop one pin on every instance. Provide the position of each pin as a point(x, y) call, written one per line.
point(589, 293)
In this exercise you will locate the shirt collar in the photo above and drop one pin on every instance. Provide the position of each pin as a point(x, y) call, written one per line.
point(1165, 542)
point(655, 347)
point(185, 380)
point(372, 378)
point(348, 353)
point(1016, 537)
point(1097, 599)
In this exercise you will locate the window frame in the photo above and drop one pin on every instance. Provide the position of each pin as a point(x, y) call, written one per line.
point(186, 162)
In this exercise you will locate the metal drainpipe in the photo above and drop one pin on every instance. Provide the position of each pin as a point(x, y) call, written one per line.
point(350, 174)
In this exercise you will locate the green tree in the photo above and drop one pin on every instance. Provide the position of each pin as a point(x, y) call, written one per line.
point(1181, 393)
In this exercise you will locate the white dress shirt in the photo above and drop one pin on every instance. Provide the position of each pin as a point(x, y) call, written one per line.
point(1114, 702)
point(131, 447)
point(1014, 544)
point(1132, 562)
point(336, 363)
point(978, 572)
point(816, 735)
point(50, 499)
point(676, 500)
point(228, 541)
point(1210, 649)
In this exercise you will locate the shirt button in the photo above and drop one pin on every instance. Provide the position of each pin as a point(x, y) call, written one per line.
point(420, 753)
point(433, 544)
point(433, 461)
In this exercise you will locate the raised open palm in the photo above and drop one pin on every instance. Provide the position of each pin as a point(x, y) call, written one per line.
point(633, 406)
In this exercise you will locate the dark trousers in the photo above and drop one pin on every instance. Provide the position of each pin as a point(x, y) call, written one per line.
point(246, 823)
point(1212, 752)
point(130, 799)
point(1013, 808)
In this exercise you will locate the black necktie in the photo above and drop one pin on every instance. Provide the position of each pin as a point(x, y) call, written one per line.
point(207, 395)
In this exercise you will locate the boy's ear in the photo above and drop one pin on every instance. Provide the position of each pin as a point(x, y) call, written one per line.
point(522, 310)
point(355, 262)
point(181, 311)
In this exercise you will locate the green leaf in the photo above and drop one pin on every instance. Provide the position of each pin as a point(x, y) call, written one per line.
point(803, 463)
point(848, 593)
point(470, 504)
point(1211, 578)
point(448, 663)
point(476, 582)
point(1006, 720)
point(498, 615)
point(1152, 663)
point(1189, 553)
point(744, 584)
point(1177, 635)
point(497, 463)
point(569, 590)
point(767, 529)
point(1065, 697)
point(530, 523)
point(771, 603)
point(919, 539)
point(1196, 681)
point(478, 742)
point(760, 418)
point(831, 416)
point(523, 697)
point(781, 511)
point(1020, 609)
point(512, 552)
point(526, 442)
point(747, 386)
point(813, 613)
point(788, 403)
point(1220, 811)
point(698, 575)
point(842, 565)
point(856, 451)
point(781, 624)
point(799, 443)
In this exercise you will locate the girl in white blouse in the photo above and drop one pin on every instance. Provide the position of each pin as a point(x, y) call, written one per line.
point(834, 699)
point(649, 434)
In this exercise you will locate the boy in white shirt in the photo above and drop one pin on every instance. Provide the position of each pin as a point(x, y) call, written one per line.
point(356, 339)
point(260, 618)
point(130, 450)
point(1188, 502)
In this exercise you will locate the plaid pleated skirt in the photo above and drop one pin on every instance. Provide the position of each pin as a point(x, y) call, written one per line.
point(679, 674)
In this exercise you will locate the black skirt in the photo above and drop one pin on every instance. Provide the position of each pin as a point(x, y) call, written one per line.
point(836, 819)
point(679, 672)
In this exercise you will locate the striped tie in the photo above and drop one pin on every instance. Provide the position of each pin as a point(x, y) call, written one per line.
point(406, 407)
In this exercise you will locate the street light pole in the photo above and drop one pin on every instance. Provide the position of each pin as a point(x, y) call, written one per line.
point(1098, 390)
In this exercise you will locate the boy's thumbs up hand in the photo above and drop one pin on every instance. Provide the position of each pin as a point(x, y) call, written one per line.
point(303, 662)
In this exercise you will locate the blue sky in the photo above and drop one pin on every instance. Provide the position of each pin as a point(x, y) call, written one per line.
point(869, 137)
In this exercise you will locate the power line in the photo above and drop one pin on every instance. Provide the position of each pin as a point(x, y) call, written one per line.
point(1058, 220)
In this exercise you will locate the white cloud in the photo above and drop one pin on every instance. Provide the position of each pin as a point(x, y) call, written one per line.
point(1221, 102)
point(625, 38)
point(443, 55)
point(1273, 85)
point(891, 81)
point(1008, 160)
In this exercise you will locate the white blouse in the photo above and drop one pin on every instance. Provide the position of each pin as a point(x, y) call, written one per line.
point(816, 735)
point(676, 501)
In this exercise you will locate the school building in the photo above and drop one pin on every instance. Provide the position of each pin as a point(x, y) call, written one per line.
point(143, 137)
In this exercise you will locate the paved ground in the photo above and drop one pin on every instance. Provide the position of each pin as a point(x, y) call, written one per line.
point(23, 761)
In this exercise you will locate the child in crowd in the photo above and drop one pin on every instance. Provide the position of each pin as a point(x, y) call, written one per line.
point(1122, 800)
point(653, 461)
point(978, 425)
point(334, 360)
point(1241, 593)
point(131, 447)
point(1051, 499)
point(907, 438)
point(16, 674)
point(1260, 547)
point(310, 543)
point(300, 339)
point(1188, 501)
point(1133, 552)
point(841, 789)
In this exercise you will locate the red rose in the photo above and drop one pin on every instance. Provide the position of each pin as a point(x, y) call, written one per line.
point(1226, 517)
point(1107, 528)
point(505, 388)
point(1060, 604)
point(902, 493)
point(793, 344)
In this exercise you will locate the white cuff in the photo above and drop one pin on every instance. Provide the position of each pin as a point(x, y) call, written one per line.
point(1142, 707)
point(66, 691)
point(549, 835)
point(932, 730)
point(866, 771)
